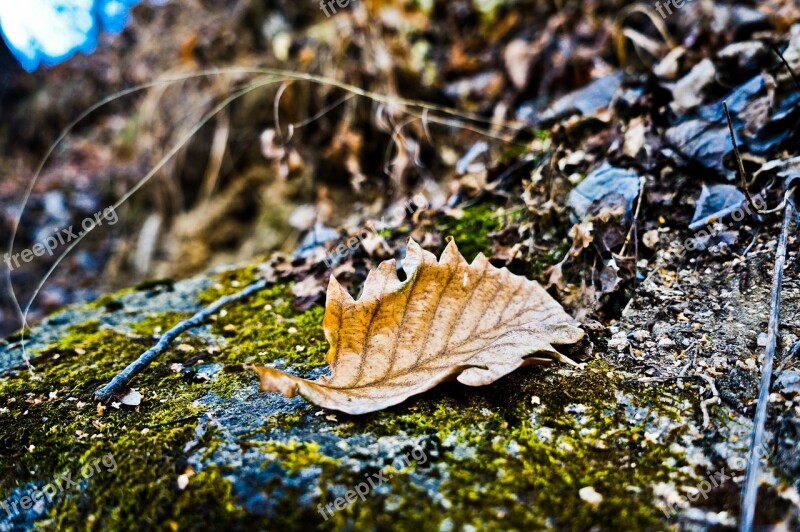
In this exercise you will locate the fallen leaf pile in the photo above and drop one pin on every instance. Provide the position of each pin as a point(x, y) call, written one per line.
point(448, 319)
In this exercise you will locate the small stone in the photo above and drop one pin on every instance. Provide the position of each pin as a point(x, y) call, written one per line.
point(661, 328)
point(762, 340)
point(650, 238)
point(666, 342)
point(589, 495)
point(789, 381)
point(132, 398)
point(619, 344)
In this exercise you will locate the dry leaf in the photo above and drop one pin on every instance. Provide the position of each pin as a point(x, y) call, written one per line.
point(447, 319)
point(131, 398)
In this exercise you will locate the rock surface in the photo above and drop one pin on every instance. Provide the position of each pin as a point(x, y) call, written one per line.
point(621, 443)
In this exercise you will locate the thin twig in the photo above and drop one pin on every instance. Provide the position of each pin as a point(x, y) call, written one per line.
point(742, 172)
point(752, 243)
point(750, 490)
point(635, 217)
point(119, 382)
point(788, 66)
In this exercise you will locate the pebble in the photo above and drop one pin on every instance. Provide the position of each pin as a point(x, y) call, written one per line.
point(619, 344)
point(589, 495)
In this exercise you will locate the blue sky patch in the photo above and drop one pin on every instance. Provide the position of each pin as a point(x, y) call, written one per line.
point(48, 32)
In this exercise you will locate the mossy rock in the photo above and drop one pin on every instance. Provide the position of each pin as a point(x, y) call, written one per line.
point(544, 447)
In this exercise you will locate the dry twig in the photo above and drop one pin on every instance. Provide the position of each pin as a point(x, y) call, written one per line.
point(119, 382)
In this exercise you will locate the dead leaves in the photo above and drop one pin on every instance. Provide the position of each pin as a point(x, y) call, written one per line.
point(447, 319)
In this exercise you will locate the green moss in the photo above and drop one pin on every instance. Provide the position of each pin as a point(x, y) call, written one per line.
point(158, 323)
point(51, 426)
point(498, 458)
point(209, 498)
point(295, 456)
point(538, 479)
point(230, 282)
point(282, 422)
point(267, 327)
point(537, 265)
point(110, 302)
point(471, 231)
point(525, 464)
point(410, 509)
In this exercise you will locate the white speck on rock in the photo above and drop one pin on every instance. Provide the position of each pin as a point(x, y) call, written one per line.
point(589, 495)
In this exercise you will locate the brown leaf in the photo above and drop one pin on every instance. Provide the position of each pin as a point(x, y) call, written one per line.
point(448, 319)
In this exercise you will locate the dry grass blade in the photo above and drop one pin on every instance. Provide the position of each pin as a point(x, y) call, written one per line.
point(448, 319)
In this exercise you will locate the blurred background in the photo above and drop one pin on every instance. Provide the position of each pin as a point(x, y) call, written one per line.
point(283, 161)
